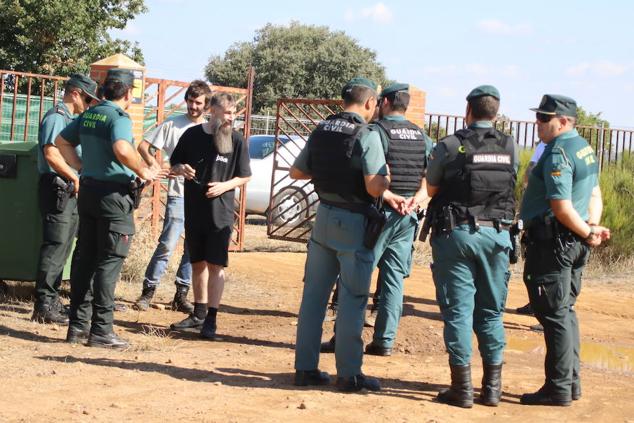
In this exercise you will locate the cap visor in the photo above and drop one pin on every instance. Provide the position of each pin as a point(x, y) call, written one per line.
point(94, 97)
point(542, 112)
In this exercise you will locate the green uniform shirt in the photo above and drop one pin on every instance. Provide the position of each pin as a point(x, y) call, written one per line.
point(368, 155)
point(567, 170)
point(54, 121)
point(97, 129)
point(446, 151)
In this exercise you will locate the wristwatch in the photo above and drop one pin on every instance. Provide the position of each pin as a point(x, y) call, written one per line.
point(591, 234)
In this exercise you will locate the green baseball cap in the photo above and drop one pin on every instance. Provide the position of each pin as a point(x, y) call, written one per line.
point(394, 88)
point(122, 75)
point(483, 90)
point(358, 82)
point(84, 83)
point(555, 104)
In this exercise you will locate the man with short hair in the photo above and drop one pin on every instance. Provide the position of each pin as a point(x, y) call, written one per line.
point(214, 159)
point(165, 137)
point(57, 200)
point(471, 178)
point(110, 165)
point(345, 160)
point(561, 210)
point(406, 148)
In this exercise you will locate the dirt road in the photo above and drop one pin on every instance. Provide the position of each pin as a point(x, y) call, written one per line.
point(247, 376)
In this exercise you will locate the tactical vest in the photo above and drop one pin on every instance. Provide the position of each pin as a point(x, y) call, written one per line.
point(482, 178)
point(406, 155)
point(330, 149)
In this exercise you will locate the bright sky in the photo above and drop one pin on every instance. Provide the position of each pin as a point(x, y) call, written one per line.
point(583, 49)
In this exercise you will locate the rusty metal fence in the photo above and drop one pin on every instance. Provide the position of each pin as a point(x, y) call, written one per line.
point(24, 99)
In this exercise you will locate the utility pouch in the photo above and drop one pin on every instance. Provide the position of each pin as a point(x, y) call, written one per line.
point(446, 222)
point(376, 221)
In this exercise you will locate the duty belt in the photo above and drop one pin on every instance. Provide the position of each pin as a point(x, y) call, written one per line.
point(109, 185)
point(488, 223)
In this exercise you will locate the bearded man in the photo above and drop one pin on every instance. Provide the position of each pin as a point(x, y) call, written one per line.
point(214, 160)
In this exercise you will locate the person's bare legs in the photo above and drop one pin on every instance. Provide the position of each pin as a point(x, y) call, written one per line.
point(216, 284)
point(200, 276)
point(215, 287)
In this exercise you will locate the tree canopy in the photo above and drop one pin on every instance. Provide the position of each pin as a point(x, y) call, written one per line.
point(57, 37)
point(585, 118)
point(295, 61)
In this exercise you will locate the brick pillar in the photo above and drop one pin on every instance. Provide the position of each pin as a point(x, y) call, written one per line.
point(98, 71)
point(416, 110)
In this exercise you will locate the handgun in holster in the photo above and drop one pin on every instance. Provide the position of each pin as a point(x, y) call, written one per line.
point(515, 232)
point(63, 191)
point(376, 221)
point(135, 189)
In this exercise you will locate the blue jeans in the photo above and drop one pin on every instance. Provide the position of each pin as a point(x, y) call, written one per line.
point(173, 227)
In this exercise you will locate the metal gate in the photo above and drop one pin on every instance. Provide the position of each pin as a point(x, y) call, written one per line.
point(165, 98)
point(293, 204)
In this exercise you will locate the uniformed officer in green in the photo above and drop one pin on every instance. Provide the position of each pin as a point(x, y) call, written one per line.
point(561, 210)
point(57, 200)
point(345, 161)
point(471, 178)
point(109, 164)
point(406, 149)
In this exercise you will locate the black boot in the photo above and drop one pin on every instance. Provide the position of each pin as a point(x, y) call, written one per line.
point(180, 303)
point(48, 313)
point(328, 346)
point(544, 397)
point(491, 384)
point(460, 394)
point(77, 335)
point(143, 303)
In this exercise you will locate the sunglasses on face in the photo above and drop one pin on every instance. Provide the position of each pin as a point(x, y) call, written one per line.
point(543, 117)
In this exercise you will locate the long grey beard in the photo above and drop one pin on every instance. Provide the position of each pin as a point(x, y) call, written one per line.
point(222, 137)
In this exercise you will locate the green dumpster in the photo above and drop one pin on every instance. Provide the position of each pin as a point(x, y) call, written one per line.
point(20, 221)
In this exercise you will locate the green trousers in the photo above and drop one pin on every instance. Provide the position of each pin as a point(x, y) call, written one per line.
point(106, 229)
point(335, 247)
point(59, 229)
point(470, 271)
point(552, 274)
point(393, 253)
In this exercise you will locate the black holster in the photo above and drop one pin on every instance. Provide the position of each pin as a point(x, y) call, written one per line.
point(135, 189)
point(57, 190)
point(376, 221)
point(514, 232)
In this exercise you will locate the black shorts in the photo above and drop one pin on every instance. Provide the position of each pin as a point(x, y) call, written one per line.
point(208, 244)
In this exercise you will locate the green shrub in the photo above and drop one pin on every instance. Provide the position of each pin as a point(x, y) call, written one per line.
point(617, 187)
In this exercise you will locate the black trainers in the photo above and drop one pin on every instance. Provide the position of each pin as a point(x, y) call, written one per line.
point(527, 309)
point(107, 341)
point(311, 377)
point(208, 330)
point(357, 383)
point(191, 322)
point(373, 349)
point(77, 336)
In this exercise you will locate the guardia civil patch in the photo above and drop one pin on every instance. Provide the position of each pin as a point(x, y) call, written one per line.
point(492, 158)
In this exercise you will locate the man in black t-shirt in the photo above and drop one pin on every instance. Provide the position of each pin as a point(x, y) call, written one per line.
point(214, 160)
